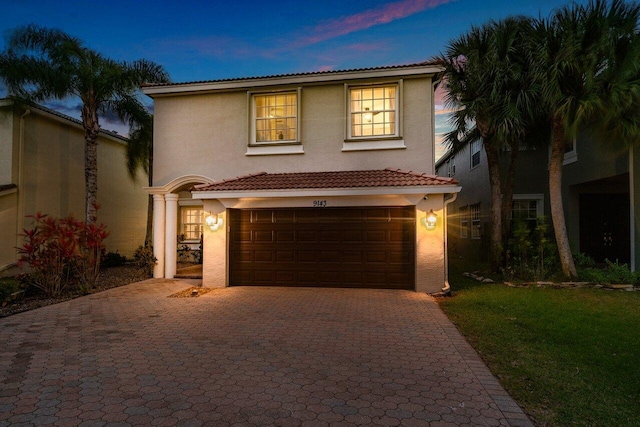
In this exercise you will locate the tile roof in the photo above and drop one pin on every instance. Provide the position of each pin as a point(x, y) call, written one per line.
point(434, 62)
point(321, 180)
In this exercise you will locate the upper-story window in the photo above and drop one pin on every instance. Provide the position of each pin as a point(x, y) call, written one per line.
point(373, 111)
point(275, 118)
point(475, 153)
point(451, 166)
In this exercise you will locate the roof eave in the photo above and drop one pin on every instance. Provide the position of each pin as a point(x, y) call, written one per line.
point(328, 192)
point(214, 86)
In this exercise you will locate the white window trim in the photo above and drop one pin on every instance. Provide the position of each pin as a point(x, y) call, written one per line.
point(473, 222)
point(386, 142)
point(252, 123)
point(571, 156)
point(537, 197)
point(467, 231)
point(451, 166)
point(192, 203)
point(471, 165)
point(276, 149)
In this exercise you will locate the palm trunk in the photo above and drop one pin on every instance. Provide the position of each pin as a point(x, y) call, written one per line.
point(507, 190)
point(555, 196)
point(91, 131)
point(496, 206)
point(149, 233)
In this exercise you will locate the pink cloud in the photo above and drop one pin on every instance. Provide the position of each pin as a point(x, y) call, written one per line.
point(363, 20)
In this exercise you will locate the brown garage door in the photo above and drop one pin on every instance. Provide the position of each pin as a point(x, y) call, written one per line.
point(333, 247)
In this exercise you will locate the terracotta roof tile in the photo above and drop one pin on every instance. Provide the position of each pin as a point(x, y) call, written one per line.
point(435, 62)
point(316, 180)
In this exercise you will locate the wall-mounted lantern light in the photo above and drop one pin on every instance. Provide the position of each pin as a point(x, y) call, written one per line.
point(430, 220)
point(213, 221)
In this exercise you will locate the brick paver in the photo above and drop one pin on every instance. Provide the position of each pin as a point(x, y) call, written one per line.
point(245, 356)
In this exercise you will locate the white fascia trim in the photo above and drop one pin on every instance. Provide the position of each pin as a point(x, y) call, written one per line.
point(273, 150)
point(535, 196)
point(328, 192)
point(391, 144)
point(289, 80)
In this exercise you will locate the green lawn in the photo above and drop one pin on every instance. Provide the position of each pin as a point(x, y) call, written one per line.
point(568, 356)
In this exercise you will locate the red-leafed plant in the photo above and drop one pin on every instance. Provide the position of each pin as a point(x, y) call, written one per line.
point(87, 261)
point(61, 252)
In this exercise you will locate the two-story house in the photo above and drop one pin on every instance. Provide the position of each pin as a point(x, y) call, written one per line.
point(42, 170)
point(311, 179)
point(601, 195)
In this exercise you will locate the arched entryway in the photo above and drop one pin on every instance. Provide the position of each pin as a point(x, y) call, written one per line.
point(177, 223)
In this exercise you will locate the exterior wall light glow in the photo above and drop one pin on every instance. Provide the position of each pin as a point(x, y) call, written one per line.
point(430, 220)
point(213, 221)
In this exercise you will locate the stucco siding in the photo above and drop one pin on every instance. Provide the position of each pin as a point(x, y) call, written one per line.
point(8, 226)
point(207, 135)
point(53, 181)
point(6, 146)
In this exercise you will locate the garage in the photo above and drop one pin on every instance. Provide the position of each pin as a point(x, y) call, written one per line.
point(355, 247)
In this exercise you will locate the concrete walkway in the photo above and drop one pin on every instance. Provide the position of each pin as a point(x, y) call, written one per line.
point(245, 356)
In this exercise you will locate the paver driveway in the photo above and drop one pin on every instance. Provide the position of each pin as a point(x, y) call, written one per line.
point(244, 356)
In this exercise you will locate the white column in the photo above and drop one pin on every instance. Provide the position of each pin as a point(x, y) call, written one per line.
point(158, 235)
point(171, 236)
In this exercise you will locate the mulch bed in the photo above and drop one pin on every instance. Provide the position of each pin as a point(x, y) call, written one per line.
point(192, 292)
point(111, 277)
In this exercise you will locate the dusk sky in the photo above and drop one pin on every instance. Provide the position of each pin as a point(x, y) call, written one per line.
point(208, 40)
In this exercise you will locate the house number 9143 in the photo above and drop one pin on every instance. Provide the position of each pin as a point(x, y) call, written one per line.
point(319, 203)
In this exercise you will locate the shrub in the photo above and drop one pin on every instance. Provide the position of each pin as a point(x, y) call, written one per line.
point(48, 249)
point(145, 261)
point(613, 273)
point(583, 260)
point(7, 287)
point(184, 254)
point(531, 254)
point(112, 259)
point(87, 262)
point(60, 251)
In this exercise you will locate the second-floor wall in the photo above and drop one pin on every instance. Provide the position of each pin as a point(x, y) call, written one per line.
point(346, 123)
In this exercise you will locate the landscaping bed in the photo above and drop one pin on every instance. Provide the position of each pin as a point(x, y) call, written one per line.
point(111, 277)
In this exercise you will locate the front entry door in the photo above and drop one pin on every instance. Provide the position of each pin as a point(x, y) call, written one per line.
point(604, 227)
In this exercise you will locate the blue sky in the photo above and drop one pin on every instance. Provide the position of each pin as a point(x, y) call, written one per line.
point(207, 40)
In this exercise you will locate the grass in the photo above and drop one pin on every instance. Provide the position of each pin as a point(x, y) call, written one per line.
point(568, 356)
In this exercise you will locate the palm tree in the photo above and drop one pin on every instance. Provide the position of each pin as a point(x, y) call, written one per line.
point(42, 64)
point(140, 155)
point(586, 60)
point(487, 84)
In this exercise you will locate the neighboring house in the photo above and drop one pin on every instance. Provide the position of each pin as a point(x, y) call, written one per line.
point(600, 194)
point(42, 170)
point(312, 179)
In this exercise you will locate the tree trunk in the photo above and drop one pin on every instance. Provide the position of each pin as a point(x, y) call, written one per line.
point(496, 206)
point(91, 131)
point(507, 191)
point(555, 196)
point(149, 234)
